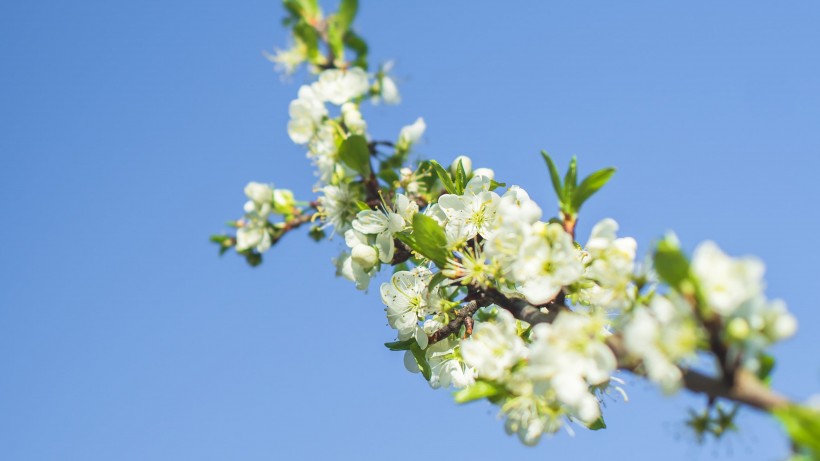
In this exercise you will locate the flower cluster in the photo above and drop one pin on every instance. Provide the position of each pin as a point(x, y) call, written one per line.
point(488, 295)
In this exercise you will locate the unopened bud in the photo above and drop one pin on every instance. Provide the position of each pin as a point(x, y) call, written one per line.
point(486, 172)
point(738, 329)
point(365, 256)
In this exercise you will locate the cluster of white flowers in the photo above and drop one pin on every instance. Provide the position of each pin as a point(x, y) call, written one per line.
point(733, 289)
point(663, 336)
point(254, 232)
point(547, 378)
point(610, 266)
point(463, 240)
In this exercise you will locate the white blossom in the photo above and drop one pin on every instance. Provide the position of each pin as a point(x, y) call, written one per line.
point(610, 263)
point(385, 225)
point(411, 134)
point(663, 335)
point(473, 212)
point(406, 298)
point(726, 282)
point(547, 261)
point(339, 86)
point(353, 118)
point(494, 347)
point(567, 357)
point(306, 114)
point(337, 206)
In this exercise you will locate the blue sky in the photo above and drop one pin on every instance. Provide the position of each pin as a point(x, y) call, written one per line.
point(129, 130)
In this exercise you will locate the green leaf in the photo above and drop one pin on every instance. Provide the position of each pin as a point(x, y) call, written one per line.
point(389, 176)
point(598, 424)
point(671, 264)
point(355, 153)
point(346, 14)
point(405, 345)
point(803, 426)
point(556, 180)
point(461, 177)
point(590, 185)
point(302, 8)
point(570, 181)
point(444, 177)
point(479, 390)
point(430, 239)
point(362, 206)
point(438, 277)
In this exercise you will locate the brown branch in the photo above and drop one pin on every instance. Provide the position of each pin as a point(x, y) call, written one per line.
point(291, 224)
point(745, 389)
point(463, 317)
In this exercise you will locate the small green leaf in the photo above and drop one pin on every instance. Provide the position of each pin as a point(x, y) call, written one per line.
point(556, 180)
point(346, 14)
point(590, 185)
point(671, 264)
point(598, 424)
point(355, 153)
point(444, 177)
point(362, 206)
point(405, 345)
point(430, 239)
point(479, 390)
point(461, 177)
point(570, 181)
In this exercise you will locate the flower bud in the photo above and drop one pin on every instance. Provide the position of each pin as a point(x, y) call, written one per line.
point(738, 329)
point(258, 192)
point(486, 172)
point(465, 161)
point(283, 200)
point(365, 256)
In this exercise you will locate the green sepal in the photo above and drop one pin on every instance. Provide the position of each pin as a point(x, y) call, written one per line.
point(421, 360)
point(316, 233)
point(362, 206)
point(495, 184)
point(355, 153)
point(479, 390)
point(405, 345)
point(764, 371)
point(598, 424)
